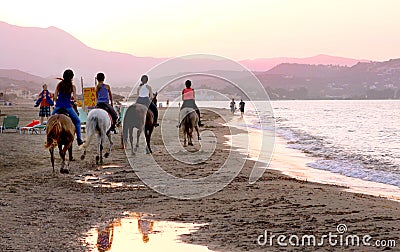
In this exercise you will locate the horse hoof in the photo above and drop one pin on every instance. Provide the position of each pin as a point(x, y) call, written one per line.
point(199, 138)
point(97, 160)
point(64, 171)
point(73, 159)
point(82, 157)
point(191, 144)
point(106, 155)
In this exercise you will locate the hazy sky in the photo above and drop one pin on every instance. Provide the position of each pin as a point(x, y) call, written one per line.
point(363, 29)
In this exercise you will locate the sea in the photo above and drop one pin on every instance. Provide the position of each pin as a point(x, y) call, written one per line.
point(352, 143)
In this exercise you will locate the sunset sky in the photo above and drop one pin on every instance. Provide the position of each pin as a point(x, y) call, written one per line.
point(362, 29)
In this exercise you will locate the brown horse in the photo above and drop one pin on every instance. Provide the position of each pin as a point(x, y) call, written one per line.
point(189, 120)
point(139, 117)
point(60, 132)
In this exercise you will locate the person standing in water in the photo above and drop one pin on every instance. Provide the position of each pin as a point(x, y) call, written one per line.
point(241, 107)
point(233, 105)
point(104, 97)
point(65, 92)
point(145, 97)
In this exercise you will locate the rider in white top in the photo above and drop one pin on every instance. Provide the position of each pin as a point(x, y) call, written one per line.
point(145, 97)
point(144, 91)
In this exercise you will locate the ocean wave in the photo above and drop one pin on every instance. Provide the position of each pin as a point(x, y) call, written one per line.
point(333, 158)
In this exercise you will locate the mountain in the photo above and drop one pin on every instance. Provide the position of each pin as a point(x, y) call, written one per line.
point(14, 74)
point(322, 59)
point(373, 80)
point(49, 51)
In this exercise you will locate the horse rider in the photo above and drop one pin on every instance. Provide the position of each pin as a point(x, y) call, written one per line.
point(104, 97)
point(145, 97)
point(188, 98)
point(65, 92)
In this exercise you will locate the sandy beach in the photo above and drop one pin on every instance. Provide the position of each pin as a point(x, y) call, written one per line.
point(42, 211)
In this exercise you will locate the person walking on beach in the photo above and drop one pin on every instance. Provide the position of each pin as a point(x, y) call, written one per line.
point(104, 97)
point(45, 101)
point(188, 99)
point(233, 106)
point(65, 92)
point(241, 107)
point(145, 97)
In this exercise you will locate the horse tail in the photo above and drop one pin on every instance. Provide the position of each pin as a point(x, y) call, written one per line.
point(125, 130)
point(54, 129)
point(128, 124)
point(93, 125)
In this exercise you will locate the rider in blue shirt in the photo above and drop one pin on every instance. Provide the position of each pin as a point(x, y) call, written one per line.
point(104, 96)
point(66, 90)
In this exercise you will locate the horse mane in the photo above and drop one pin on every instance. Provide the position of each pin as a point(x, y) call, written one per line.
point(54, 129)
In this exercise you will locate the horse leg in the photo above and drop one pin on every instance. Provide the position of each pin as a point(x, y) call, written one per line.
point(184, 136)
point(190, 136)
point(99, 158)
point(107, 154)
point(137, 139)
point(89, 139)
point(63, 151)
point(130, 135)
point(148, 133)
point(197, 130)
point(52, 157)
point(60, 149)
point(71, 158)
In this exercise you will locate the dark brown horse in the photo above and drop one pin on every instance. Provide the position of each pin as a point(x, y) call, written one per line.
point(189, 121)
point(139, 117)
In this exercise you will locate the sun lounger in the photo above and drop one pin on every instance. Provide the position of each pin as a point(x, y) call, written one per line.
point(10, 122)
point(29, 127)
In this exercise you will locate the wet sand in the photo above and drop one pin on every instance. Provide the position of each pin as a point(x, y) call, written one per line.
point(42, 211)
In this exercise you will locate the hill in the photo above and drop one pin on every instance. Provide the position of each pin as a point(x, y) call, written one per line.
point(49, 51)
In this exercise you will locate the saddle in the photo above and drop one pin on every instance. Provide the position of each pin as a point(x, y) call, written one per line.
point(105, 109)
point(63, 111)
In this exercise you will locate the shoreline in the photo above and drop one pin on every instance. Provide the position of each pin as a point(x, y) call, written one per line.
point(42, 211)
point(295, 166)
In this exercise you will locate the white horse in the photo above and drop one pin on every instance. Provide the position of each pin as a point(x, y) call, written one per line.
point(98, 123)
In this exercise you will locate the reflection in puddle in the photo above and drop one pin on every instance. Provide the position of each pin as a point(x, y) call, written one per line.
point(138, 232)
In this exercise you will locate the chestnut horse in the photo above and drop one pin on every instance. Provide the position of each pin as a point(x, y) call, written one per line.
point(60, 131)
point(139, 117)
point(189, 120)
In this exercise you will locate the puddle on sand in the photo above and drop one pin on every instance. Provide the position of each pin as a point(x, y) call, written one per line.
point(104, 176)
point(138, 232)
point(97, 181)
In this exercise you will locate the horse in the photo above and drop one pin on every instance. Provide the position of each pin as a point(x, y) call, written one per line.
point(140, 117)
point(189, 120)
point(60, 131)
point(98, 123)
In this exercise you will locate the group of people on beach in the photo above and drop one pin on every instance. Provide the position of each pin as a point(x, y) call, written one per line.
point(65, 95)
point(241, 106)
